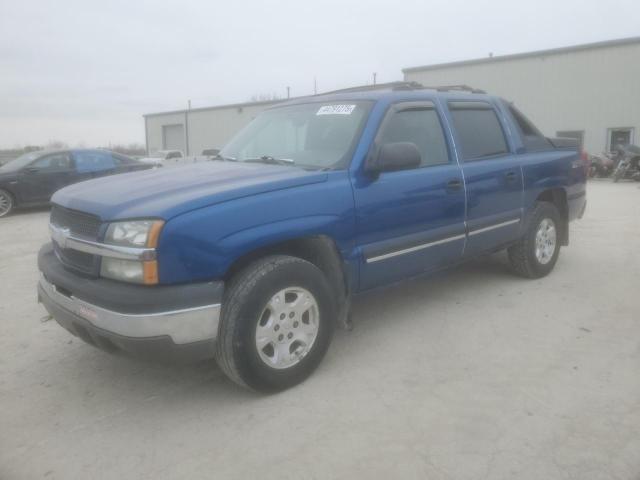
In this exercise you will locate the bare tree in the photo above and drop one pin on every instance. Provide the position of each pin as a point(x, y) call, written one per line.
point(130, 149)
point(56, 145)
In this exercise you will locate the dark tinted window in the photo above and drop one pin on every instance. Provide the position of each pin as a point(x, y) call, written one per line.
point(532, 139)
point(93, 161)
point(420, 126)
point(478, 129)
point(56, 161)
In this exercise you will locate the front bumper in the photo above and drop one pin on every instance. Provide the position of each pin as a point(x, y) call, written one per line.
point(175, 323)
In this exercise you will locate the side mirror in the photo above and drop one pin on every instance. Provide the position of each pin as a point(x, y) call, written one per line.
point(394, 156)
point(31, 170)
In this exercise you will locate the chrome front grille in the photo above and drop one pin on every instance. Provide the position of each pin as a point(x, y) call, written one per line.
point(78, 223)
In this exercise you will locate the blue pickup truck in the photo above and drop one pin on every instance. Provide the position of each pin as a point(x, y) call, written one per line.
point(254, 258)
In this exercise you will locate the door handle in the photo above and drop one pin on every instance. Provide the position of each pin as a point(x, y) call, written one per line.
point(510, 176)
point(454, 185)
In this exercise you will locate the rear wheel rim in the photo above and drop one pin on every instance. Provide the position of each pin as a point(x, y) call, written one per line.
point(6, 202)
point(546, 238)
point(287, 328)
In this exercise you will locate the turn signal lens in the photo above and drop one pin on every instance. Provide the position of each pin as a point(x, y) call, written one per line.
point(150, 274)
point(154, 234)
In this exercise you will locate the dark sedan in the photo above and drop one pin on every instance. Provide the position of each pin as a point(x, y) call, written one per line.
point(33, 178)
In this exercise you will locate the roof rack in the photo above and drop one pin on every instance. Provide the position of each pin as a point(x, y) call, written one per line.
point(406, 86)
point(456, 88)
point(378, 86)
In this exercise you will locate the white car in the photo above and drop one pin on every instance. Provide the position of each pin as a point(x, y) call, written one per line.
point(164, 157)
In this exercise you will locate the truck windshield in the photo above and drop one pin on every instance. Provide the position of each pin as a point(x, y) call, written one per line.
point(311, 135)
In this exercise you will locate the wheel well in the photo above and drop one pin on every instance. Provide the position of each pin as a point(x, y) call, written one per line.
point(319, 250)
point(13, 195)
point(558, 197)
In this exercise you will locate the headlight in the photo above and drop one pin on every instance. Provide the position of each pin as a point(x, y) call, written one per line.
point(135, 234)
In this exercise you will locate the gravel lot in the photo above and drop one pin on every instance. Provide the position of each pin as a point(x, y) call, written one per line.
point(471, 374)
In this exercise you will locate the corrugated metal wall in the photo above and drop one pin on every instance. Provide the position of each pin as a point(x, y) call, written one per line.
point(592, 90)
point(204, 128)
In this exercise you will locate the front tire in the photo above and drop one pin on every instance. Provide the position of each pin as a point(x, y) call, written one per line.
point(276, 324)
point(536, 253)
point(6, 203)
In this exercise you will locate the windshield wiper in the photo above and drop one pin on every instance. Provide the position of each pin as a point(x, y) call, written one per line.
point(271, 160)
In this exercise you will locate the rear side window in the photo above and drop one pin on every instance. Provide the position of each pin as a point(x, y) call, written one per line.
point(532, 139)
point(479, 130)
point(121, 160)
point(93, 161)
point(421, 126)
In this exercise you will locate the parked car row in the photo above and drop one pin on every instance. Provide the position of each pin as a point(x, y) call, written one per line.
point(173, 158)
point(31, 179)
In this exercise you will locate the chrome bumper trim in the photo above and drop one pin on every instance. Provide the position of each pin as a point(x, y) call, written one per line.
point(183, 326)
point(414, 249)
point(64, 239)
point(493, 227)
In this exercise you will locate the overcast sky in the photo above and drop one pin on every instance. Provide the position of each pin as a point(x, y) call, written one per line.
point(86, 70)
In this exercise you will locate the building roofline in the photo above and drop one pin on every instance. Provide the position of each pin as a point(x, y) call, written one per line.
point(516, 56)
point(219, 107)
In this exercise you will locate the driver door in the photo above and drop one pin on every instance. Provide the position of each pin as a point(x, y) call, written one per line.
point(410, 221)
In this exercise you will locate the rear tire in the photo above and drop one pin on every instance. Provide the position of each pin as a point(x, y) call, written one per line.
point(536, 253)
point(270, 348)
point(7, 203)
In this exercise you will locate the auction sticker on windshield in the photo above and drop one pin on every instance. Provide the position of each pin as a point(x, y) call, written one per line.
point(336, 110)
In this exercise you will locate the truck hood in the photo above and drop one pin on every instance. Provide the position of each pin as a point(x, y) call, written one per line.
point(167, 192)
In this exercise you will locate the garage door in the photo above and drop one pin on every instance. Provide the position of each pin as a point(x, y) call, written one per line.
point(173, 137)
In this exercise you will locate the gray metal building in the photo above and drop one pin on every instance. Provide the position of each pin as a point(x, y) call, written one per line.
point(194, 130)
point(590, 91)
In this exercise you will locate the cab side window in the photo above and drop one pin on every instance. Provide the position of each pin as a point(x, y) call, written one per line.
point(478, 129)
point(420, 126)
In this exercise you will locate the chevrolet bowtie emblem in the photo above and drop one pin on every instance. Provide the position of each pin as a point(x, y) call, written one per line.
point(60, 235)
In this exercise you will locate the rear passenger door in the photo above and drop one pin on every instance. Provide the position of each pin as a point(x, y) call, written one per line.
point(410, 221)
point(492, 174)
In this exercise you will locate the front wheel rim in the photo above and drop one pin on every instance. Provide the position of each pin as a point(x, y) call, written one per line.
point(545, 241)
point(5, 204)
point(287, 328)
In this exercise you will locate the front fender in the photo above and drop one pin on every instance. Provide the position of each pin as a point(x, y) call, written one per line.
point(202, 244)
